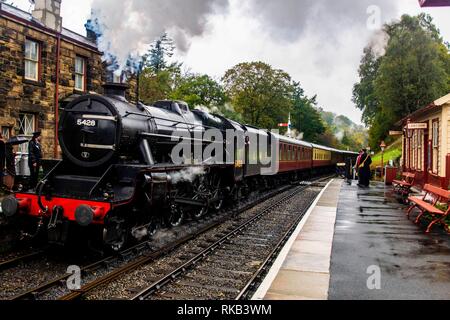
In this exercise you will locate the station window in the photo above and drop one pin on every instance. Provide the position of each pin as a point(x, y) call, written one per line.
point(27, 125)
point(420, 151)
point(6, 133)
point(32, 56)
point(435, 150)
point(80, 73)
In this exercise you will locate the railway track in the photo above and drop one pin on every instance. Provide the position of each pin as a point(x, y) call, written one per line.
point(15, 261)
point(190, 278)
point(131, 259)
point(174, 274)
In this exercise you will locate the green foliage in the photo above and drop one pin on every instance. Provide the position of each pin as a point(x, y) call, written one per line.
point(342, 133)
point(160, 50)
point(364, 92)
point(199, 90)
point(157, 86)
point(305, 116)
point(392, 152)
point(261, 94)
point(413, 72)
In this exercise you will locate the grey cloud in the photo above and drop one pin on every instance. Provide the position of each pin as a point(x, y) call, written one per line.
point(290, 19)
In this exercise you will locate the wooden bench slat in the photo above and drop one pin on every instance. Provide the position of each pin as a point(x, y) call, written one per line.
point(444, 194)
point(428, 207)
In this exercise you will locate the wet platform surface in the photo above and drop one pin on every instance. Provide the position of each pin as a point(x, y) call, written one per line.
point(372, 234)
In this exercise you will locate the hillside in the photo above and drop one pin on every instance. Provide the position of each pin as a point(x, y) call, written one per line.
point(392, 152)
point(343, 133)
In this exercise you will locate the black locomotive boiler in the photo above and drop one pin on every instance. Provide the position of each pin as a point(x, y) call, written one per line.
point(117, 181)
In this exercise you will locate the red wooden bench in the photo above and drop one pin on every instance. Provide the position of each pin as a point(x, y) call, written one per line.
point(404, 186)
point(427, 204)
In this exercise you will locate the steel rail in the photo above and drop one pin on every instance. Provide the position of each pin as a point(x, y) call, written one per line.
point(171, 276)
point(33, 293)
point(146, 259)
point(16, 261)
point(243, 294)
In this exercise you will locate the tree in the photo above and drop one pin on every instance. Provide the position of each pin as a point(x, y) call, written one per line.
point(160, 50)
point(414, 72)
point(305, 116)
point(156, 86)
point(199, 90)
point(261, 94)
point(157, 78)
point(364, 92)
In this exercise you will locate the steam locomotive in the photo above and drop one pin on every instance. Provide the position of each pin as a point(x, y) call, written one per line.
point(117, 181)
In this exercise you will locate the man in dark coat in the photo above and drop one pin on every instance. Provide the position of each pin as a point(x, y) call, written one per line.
point(364, 169)
point(34, 158)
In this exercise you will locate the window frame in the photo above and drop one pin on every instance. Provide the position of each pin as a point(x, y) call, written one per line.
point(435, 147)
point(83, 75)
point(37, 62)
point(9, 131)
point(24, 147)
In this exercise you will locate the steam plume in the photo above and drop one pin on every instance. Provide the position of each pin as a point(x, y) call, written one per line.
point(128, 27)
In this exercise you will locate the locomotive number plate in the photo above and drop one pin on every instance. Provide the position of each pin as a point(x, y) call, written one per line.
point(86, 123)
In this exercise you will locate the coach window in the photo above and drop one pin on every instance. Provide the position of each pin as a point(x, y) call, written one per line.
point(32, 57)
point(80, 73)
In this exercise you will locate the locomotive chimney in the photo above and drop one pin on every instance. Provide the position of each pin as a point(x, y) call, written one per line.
point(48, 12)
point(115, 89)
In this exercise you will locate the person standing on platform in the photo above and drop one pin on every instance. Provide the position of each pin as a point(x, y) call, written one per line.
point(364, 169)
point(35, 158)
point(358, 162)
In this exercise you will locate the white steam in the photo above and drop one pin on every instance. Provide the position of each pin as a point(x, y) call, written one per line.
point(187, 175)
point(128, 27)
point(378, 43)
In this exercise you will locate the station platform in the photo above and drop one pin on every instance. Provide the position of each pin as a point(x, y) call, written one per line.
point(358, 244)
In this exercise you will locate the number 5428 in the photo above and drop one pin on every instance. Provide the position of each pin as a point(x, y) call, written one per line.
point(86, 123)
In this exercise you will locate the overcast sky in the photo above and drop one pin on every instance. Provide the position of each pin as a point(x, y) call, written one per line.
point(318, 42)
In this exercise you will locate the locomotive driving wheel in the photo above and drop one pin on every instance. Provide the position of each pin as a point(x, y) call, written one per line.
point(201, 194)
point(176, 216)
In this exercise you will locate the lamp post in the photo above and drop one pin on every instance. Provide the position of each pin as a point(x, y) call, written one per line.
point(383, 147)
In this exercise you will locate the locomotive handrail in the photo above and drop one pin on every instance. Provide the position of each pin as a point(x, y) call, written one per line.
point(157, 135)
point(128, 113)
point(96, 113)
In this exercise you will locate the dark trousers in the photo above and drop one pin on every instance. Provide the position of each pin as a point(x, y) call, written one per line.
point(34, 173)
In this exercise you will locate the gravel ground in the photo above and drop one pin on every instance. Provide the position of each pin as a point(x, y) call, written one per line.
point(223, 273)
point(37, 272)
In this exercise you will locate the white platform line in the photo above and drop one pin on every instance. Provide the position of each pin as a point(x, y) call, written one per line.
point(267, 283)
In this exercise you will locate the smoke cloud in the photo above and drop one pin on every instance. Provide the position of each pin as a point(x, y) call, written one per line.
point(290, 19)
point(128, 27)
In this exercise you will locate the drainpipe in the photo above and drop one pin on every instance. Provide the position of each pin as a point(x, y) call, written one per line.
point(58, 53)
